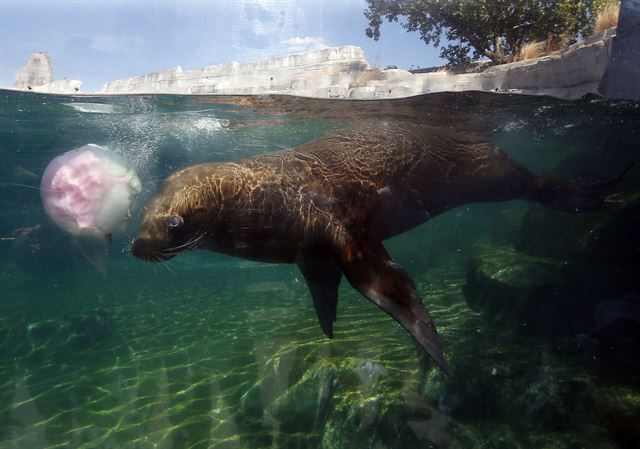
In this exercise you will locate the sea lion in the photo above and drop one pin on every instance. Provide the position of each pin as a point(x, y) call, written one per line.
point(328, 205)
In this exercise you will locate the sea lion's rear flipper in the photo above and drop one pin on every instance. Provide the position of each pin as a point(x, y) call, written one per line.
point(323, 276)
point(385, 283)
point(577, 195)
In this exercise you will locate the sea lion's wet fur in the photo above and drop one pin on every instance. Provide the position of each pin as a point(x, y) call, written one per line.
point(321, 189)
point(328, 204)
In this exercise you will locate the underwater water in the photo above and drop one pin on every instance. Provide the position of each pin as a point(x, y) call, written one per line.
point(538, 310)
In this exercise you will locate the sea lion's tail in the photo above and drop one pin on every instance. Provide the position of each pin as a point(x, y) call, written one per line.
point(577, 195)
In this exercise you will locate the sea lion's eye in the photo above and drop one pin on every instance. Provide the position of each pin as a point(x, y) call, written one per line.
point(175, 221)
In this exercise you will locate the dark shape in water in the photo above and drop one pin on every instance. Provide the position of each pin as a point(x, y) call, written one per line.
point(617, 327)
point(327, 205)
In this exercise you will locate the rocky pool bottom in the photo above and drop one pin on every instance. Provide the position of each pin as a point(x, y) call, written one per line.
point(228, 354)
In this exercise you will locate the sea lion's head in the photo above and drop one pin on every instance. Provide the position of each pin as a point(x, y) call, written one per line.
point(176, 219)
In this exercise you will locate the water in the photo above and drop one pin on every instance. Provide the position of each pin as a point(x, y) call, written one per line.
point(216, 352)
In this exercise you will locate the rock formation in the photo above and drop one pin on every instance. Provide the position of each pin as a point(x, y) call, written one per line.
point(343, 72)
point(319, 73)
point(36, 72)
point(37, 75)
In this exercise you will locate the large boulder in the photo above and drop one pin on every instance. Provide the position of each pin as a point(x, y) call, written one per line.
point(512, 286)
point(336, 405)
point(303, 408)
point(617, 333)
point(547, 296)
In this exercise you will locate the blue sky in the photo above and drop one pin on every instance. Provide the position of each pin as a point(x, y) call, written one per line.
point(99, 41)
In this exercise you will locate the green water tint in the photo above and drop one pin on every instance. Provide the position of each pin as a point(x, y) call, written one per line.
point(224, 353)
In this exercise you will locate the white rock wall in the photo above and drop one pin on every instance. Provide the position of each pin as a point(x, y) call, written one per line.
point(36, 72)
point(570, 74)
point(300, 74)
point(65, 86)
point(343, 72)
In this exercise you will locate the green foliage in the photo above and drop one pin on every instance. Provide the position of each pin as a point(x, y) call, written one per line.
point(496, 29)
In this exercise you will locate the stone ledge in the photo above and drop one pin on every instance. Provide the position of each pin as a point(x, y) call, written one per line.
point(59, 87)
point(343, 72)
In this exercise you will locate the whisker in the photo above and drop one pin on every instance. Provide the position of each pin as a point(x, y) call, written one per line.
point(175, 266)
point(126, 241)
point(13, 184)
point(128, 244)
point(176, 248)
point(166, 265)
point(185, 246)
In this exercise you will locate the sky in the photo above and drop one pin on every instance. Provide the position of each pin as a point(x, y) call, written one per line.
point(100, 41)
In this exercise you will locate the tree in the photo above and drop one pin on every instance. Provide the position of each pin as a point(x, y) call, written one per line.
point(496, 29)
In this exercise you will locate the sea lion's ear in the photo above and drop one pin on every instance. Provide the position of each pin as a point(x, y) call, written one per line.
point(385, 283)
point(323, 276)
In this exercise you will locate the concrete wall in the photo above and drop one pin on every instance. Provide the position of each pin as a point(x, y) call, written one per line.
point(312, 73)
point(65, 86)
point(622, 77)
point(569, 74)
point(343, 72)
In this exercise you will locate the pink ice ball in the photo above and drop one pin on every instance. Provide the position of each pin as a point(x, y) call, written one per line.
point(89, 190)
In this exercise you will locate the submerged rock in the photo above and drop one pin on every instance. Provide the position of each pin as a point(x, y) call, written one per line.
point(617, 330)
point(304, 406)
point(618, 409)
point(338, 404)
point(607, 236)
point(509, 285)
point(548, 296)
point(517, 393)
point(368, 372)
point(380, 422)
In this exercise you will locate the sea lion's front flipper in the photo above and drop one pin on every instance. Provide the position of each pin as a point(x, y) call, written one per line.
point(385, 283)
point(323, 277)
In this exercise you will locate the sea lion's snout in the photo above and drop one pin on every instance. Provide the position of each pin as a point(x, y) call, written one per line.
point(152, 242)
point(139, 248)
point(176, 219)
point(144, 248)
